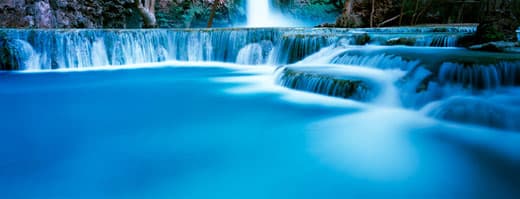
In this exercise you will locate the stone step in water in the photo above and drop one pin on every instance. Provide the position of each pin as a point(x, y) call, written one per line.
point(350, 82)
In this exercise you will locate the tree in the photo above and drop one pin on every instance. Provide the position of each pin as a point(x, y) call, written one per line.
point(372, 12)
point(497, 21)
point(213, 11)
point(146, 9)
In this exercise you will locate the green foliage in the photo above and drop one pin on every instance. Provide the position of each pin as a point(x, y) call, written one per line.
point(196, 14)
point(315, 11)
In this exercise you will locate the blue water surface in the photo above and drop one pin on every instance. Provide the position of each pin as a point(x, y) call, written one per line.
point(174, 132)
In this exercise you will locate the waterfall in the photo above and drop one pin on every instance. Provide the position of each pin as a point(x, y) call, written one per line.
point(26, 58)
point(52, 49)
point(357, 85)
point(260, 14)
point(254, 54)
point(480, 76)
point(424, 78)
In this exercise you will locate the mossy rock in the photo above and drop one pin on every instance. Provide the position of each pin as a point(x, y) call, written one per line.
point(362, 38)
point(401, 41)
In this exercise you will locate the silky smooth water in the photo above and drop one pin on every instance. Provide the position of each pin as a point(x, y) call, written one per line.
point(244, 113)
point(215, 130)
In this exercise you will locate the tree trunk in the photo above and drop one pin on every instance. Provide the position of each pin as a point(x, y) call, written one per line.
point(497, 21)
point(421, 13)
point(349, 17)
point(415, 12)
point(372, 13)
point(212, 15)
point(146, 9)
point(402, 12)
point(348, 7)
point(461, 12)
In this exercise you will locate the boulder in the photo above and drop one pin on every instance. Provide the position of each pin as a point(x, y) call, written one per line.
point(401, 41)
point(499, 46)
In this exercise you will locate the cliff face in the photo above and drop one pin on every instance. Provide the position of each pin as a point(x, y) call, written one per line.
point(113, 13)
point(65, 13)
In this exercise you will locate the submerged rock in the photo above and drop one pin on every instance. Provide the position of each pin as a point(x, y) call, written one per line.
point(401, 41)
point(499, 46)
point(475, 110)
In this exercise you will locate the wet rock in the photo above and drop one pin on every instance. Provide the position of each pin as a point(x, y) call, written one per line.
point(401, 41)
point(500, 46)
point(43, 15)
point(326, 25)
point(362, 38)
point(472, 110)
point(63, 13)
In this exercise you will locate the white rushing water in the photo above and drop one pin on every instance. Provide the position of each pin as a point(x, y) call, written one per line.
point(260, 14)
point(257, 12)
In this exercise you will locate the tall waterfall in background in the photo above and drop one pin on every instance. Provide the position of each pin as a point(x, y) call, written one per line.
point(257, 13)
point(260, 14)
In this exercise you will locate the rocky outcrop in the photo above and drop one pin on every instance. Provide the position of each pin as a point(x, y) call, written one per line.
point(500, 46)
point(113, 14)
point(64, 13)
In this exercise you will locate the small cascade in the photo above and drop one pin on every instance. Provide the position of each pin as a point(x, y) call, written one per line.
point(324, 56)
point(344, 81)
point(424, 39)
point(518, 34)
point(19, 55)
point(422, 29)
point(53, 49)
point(435, 36)
point(476, 110)
point(254, 54)
point(381, 61)
point(293, 48)
point(480, 76)
point(351, 87)
point(425, 78)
